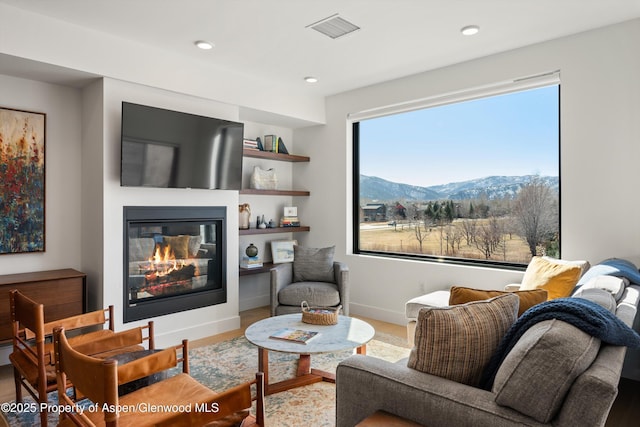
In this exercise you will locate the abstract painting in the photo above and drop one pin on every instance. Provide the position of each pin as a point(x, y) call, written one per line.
point(22, 179)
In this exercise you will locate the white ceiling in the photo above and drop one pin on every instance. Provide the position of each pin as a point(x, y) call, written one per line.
point(269, 38)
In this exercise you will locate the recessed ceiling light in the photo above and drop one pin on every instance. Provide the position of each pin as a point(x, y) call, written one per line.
point(205, 45)
point(311, 79)
point(470, 30)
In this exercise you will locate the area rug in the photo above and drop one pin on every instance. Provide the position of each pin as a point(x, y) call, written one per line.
point(222, 365)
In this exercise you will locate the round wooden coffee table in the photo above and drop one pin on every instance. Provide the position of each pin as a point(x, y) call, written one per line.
point(349, 333)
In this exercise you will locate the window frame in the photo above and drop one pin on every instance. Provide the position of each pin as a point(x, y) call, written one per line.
point(497, 89)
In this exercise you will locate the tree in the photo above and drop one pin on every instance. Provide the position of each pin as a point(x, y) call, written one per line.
point(469, 229)
point(434, 212)
point(454, 235)
point(449, 211)
point(420, 234)
point(536, 212)
point(489, 237)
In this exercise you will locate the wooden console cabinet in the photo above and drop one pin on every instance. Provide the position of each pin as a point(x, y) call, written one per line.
point(63, 293)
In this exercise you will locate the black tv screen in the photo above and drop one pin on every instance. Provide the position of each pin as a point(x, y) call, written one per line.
point(170, 149)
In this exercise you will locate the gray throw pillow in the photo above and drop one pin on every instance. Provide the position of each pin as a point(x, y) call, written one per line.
point(313, 264)
point(537, 373)
point(601, 297)
point(614, 285)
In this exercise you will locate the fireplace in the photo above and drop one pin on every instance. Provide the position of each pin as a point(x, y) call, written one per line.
point(174, 259)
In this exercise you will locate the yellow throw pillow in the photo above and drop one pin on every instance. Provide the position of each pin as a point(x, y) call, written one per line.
point(462, 295)
point(557, 278)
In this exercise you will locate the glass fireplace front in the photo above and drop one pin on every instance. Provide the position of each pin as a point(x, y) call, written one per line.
point(174, 259)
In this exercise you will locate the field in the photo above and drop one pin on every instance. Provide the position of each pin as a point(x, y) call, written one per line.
point(380, 236)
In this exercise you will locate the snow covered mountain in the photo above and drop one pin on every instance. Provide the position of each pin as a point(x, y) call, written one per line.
point(492, 187)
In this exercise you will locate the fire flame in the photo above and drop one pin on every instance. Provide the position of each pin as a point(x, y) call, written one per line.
point(163, 262)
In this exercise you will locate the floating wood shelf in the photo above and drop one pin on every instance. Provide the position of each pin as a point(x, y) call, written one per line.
point(251, 231)
point(257, 270)
point(275, 192)
point(274, 156)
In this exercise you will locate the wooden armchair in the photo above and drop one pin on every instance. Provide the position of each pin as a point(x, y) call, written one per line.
point(32, 356)
point(190, 403)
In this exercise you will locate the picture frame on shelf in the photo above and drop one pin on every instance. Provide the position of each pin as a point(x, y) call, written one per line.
point(271, 143)
point(291, 211)
point(282, 250)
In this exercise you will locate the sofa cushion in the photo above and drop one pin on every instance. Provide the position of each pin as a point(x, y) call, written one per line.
point(612, 284)
point(599, 296)
point(322, 294)
point(457, 342)
point(432, 299)
point(462, 295)
point(537, 373)
point(557, 277)
point(313, 264)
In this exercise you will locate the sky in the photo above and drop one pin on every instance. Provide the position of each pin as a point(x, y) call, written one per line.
point(513, 134)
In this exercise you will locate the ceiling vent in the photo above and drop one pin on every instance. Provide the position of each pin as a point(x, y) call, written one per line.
point(334, 26)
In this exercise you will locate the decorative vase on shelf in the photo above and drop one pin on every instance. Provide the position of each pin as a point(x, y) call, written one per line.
point(245, 215)
point(251, 250)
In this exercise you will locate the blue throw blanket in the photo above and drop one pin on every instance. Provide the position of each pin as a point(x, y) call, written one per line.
point(586, 315)
point(612, 267)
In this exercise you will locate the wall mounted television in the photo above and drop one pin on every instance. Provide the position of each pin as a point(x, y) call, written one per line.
point(171, 149)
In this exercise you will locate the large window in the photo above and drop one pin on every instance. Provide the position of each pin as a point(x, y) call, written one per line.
point(471, 179)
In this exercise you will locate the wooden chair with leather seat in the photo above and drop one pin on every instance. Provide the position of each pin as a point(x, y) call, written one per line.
point(190, 403)
point(32, 355)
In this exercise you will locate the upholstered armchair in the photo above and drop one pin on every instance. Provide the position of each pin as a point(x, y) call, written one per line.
point(313, 277)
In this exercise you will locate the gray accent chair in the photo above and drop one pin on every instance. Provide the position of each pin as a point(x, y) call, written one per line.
point(287, 295)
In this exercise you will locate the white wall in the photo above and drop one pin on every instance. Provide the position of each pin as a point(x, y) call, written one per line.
point(62, 107)
point(600, 130)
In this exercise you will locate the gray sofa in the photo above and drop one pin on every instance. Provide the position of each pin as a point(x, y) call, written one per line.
point(365, 385)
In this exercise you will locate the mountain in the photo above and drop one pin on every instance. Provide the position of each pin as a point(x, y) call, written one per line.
point(374, 188)
point(492, 187)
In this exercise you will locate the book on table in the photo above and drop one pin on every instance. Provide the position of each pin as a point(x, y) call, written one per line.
point(299, 336)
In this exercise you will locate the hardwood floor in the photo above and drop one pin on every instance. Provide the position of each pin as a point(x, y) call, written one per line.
point(625, 411)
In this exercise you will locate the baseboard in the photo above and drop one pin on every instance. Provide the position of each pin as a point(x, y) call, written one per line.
point(196, 332)
point(378, 313)
point(254, 302)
